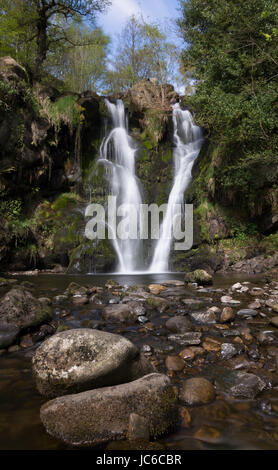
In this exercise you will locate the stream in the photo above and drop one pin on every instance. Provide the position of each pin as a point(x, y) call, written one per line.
point(226, 423)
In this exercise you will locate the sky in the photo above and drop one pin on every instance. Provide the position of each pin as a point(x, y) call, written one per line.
point(153, 10)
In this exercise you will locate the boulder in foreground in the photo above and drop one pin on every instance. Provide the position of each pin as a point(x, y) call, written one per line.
point(82, 359)
point(97, 416)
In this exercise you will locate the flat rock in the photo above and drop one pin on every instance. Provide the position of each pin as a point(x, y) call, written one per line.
point(186, 339)
point(204, 318)
point(247, 312)
point(81, 359)
point(155, 289)
point(98, 416)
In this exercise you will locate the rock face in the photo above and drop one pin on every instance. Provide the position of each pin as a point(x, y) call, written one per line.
point(98, 416)
point(197, 391)
point(82, 359)
point(200, 276)
point(20, 309)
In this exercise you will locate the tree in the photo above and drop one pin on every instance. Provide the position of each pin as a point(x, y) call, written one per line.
point(42, 19)
point(142, 52)
point(232, 50)
point(82, 67)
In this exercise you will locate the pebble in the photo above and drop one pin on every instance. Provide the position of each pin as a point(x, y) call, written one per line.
point(274, 321)
point(227, 314)
point(187, 354)
point(206, 318)
point(247, 312)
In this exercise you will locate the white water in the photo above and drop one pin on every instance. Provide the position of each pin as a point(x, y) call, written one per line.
point(187, 145)
point(117, 153)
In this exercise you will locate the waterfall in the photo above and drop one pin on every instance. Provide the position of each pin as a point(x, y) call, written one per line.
point(117, 153)
point(187, 144)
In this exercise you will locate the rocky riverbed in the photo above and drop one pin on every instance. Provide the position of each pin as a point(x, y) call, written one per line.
point(204, 350)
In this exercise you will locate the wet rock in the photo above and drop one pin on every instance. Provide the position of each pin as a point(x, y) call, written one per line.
point(247, 312)
point(114, 300)
point(138, 308)
point(158, 303)
point(185, 417)
point(227, 299)
point(193, 304)
point(187, 354)
point(97, 416)
point(146, 348)
point(178, 324)
point(211, 344)
point(247, 385)
point(142, 319)
point(26, 341)
point(213, 310)
point(72, 288)
point(119, 313)
point(254, 305)
point(208, 434)
point(274, 307)
point(265, 337)
point(14, 348)
point(8, 334)
point(156, 289)
point(204, 318)
point(236, 286)
point(186, 339)
point(254, 353)
point(174, 363)
point(227, 315)
point(228, 351)
point(256, 291)
point(197, 391)
point(138, 428)
point(59, 299)
point(45, 300)
point(19, 308)
point(81, 359)
point(200, 276)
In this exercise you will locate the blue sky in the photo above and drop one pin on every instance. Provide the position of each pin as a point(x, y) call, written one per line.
point(153, 10)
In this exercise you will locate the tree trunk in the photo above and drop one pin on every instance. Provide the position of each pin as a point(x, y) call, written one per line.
point(41, 41)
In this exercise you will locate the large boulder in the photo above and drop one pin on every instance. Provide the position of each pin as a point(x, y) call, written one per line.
point(82, 359)
point(22, 310)
point(97, 416)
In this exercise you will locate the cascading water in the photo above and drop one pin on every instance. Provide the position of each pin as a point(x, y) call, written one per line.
point(117, 153)
point(187, 145)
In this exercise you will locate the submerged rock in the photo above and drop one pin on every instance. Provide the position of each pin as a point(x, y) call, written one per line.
point(178, 324)
point(197, 391)
point(247, 385)
point(119, 313)
point(19, 308)
point(81, 359)
point(98, 416)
